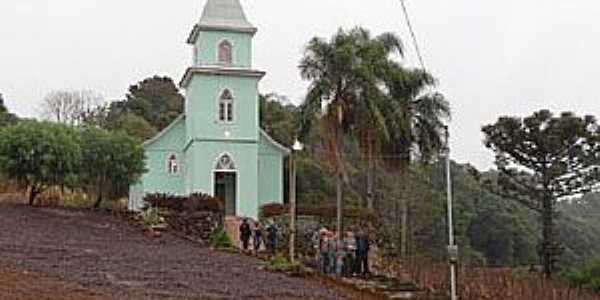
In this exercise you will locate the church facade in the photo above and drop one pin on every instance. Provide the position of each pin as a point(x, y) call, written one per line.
point(217, 147)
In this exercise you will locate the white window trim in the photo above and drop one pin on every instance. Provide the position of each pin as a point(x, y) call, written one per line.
point(177, 164)
point(230, 102)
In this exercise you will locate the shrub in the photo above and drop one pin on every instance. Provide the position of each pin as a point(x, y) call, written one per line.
point(195, 202)
point(588, 278)
point(221, 240)
point(151, 217)
point(280, 264)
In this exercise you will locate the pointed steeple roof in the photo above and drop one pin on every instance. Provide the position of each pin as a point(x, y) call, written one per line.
point(226, 15)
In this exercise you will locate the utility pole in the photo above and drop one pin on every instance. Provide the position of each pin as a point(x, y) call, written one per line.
point(452, 247)
point(297, 147)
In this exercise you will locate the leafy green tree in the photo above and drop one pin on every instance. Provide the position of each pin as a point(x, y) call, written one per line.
point(112, 162)
point(542, 159)
point(150, 106)
point(278, 120)
point(157, 100)
point(39, 155)
point(134, 126)
point(6, 118)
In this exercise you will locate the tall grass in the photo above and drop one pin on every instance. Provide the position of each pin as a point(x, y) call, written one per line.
point(488, 283)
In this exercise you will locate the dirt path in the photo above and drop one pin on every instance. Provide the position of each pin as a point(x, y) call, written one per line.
point(86, 255)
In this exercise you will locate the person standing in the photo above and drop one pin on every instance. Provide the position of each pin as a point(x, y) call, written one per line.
point(362, 254)
point(331, 252)
point(350, 246)
point(258, 236)
point(272, 238)
point(324, 250)
point(340, 254)
point(245, 234)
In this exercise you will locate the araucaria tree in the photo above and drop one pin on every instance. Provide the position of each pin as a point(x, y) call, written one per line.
point(39, 155)
point(542, 159)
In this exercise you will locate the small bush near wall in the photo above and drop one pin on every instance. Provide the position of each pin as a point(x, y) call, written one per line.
point(195, 202)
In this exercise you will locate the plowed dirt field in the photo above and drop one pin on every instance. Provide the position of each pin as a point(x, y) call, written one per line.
point(67, 254)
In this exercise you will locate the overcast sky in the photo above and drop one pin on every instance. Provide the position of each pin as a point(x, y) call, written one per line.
point(491, 57)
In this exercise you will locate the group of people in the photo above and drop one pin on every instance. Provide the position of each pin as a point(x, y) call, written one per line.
point(347, 255)
point(256, 233)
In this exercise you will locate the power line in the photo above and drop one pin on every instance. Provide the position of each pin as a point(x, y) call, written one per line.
point(412, 33)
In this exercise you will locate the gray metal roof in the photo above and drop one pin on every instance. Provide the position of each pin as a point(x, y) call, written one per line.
point(225, 14)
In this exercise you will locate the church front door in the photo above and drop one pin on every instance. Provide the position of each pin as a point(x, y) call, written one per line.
point(225, 189)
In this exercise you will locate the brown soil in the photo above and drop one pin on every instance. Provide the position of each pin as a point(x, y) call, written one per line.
point(61, 254)
point(16, 285)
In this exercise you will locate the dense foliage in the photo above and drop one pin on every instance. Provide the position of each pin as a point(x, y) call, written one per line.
point(150, 106)
point(41, 155)
point(492, 229)
point(588, 277)
point(156, 100)
point(366, 102)
point(112, 162)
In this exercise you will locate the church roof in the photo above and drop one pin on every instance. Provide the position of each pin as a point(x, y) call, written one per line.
point(222, 15)
point(225, 14)
point(273, 142)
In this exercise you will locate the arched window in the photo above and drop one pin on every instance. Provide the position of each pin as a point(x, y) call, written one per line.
point(225, 53)
point(226, 107)
point(225, 163)
point(172, 165)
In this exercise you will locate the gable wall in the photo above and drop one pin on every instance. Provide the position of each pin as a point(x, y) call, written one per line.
point(270, 172)
point(157, 179)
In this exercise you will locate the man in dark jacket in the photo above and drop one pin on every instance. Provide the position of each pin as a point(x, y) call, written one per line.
point(362, 253)
point(245, 234)
point(272, 238)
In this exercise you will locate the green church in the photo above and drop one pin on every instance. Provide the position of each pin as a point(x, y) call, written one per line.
point(216, 146)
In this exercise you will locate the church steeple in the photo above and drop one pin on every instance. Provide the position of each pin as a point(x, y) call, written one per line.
point(222, 15)
point(225, 14)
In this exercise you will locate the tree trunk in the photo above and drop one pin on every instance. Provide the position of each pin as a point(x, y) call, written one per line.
point(404, 245)
point(370, 181)
point(404, 215)
point(370, 174)
point(340, 176)
point(340, 209)
point(98, 199)
point(32, 195)
point(548, 245)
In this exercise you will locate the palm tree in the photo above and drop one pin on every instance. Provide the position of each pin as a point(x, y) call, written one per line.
point(415, 119)
point(344, 89)
point(371, 127)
